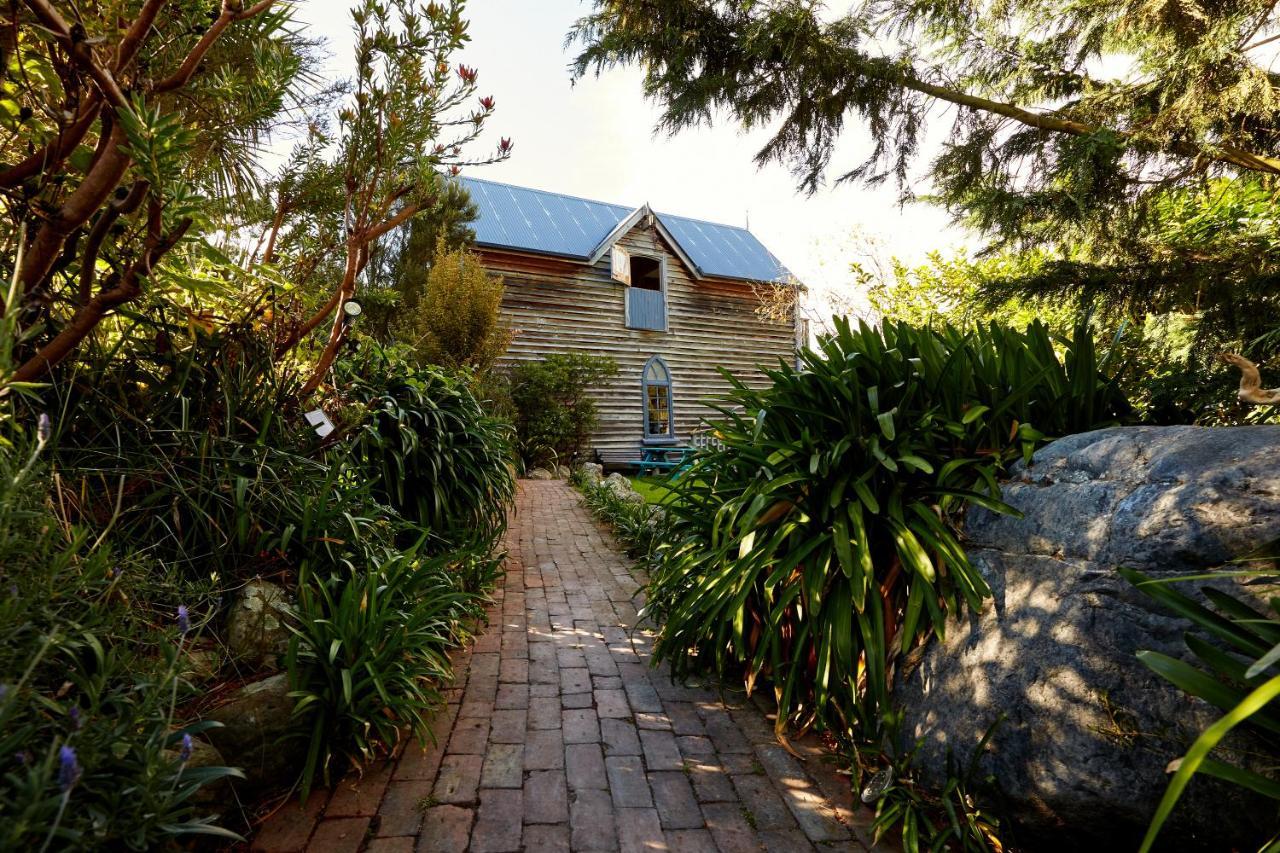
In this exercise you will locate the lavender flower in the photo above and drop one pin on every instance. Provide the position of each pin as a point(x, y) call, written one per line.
point(69, 769)
point(184, 754)
point(22, 757)
point(74, 713)
point(184, 619)
point(44, 428)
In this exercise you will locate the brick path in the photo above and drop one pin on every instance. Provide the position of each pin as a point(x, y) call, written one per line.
point(559, 736)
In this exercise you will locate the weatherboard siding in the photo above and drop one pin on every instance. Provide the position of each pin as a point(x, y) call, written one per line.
point(557, 305)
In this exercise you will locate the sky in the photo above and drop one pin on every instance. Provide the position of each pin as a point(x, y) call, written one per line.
point(595, 139)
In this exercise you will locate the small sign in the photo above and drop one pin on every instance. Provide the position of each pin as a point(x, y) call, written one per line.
point(320, 421)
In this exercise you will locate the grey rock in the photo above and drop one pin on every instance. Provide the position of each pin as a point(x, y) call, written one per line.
point(621, 488)
point(257, 626)
point(592, 472)
point(540, 474)
point(1089, 731)
point(255, 723)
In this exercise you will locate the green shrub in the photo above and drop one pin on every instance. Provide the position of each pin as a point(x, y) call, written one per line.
point(553, 414)
point(92, 667)
point(458, 322)
point(819, 543)
point(214, 469)
point(371, 649)
point(432, 452)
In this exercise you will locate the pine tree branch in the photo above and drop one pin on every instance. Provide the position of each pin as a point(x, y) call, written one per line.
point(1226, 154)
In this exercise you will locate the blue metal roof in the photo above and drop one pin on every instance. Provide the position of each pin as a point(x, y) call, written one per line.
point(538, 221)
point(723, 250)
point(549, 223)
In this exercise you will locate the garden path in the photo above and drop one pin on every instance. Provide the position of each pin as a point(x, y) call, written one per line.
point(559, 736)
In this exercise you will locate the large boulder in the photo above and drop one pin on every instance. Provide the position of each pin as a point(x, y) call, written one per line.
point(256, 723)
point(258, 624)
point(1089, 731)
point(592, 473)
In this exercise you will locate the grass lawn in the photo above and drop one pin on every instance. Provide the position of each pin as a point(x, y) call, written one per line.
point(652, 489)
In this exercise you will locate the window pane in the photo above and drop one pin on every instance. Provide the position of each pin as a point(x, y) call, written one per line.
point(659, 412)
point(654, 372)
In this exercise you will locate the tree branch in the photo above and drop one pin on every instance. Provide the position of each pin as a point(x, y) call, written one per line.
point(1227, 154)
point(104, 176)
point(231, 12)
point(123, 207)
point(80, 51)
point(126, 288)
point(51, 154)
point(138, 31)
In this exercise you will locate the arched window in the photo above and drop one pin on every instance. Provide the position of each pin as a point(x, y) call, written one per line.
point(659, 420)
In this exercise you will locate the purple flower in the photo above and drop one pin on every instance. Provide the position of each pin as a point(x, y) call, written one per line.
point(74, 713)
point(184, 619)
point(68, 769)
point(44, 428)
point(184, 754)
point(22, 757)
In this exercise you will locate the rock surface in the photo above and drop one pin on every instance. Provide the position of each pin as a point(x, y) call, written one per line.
point(592, 472)
point(622, 489)
point(540, 474)
point(257, 626)
point(252, 737)
point(1089, 730)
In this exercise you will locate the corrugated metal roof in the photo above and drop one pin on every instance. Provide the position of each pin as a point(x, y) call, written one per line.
point(539, 221)
point(723, 250)
point(549, 223)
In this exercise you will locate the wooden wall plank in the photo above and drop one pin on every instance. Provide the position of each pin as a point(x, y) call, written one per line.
point(554, 305)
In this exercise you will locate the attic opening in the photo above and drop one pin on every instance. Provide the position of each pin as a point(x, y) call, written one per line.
point(646, 273)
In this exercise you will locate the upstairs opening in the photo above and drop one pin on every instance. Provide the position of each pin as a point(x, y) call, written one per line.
point(646, 273)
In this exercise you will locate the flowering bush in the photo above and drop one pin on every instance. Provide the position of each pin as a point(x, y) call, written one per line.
point(93, 668)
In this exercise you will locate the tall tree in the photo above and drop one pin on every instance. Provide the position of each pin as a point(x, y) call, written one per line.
point(1073, 120)
point(406, 122)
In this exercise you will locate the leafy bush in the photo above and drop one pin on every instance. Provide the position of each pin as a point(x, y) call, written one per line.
point(216, 471)
point(458, 323)
point(549, 404)
point(93, 664)
point(1236, 651)
point(433, 453)
point(371, 647)
point(818, 543)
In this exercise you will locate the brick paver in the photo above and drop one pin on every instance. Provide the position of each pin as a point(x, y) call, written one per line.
point(559, 735)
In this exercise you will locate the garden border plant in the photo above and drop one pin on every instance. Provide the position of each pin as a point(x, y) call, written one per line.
point(818, 545)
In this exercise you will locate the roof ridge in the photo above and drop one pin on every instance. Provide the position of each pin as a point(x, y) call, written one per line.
point(706, 222)
point(628, 208)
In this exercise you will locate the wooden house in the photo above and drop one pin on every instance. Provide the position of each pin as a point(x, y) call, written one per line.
point(669, 298)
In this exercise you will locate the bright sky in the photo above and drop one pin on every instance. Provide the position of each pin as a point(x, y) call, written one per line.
point(595, 139)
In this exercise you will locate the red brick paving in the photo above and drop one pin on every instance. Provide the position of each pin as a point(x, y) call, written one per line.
point(559, 736)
